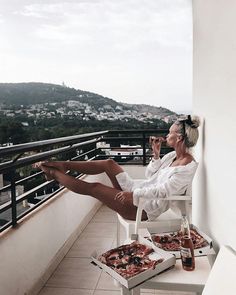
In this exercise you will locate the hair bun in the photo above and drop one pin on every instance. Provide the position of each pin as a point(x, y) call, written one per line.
point(195, 121)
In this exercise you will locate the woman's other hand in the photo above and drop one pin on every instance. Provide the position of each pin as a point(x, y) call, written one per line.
point(124, 197)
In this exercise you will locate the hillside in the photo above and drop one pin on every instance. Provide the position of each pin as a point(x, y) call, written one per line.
point(38, 111)
point(37, 93)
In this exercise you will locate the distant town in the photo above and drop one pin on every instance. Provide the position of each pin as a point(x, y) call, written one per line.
point(72, 109)
point(37, 111)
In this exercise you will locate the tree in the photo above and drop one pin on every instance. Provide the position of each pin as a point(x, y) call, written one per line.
point(12, 131)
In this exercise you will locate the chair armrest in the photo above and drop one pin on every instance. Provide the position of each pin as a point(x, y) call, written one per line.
point(178, 198)
point(142, 201)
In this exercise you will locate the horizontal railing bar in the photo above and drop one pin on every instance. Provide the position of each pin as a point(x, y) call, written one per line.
point(138, 155)
point(5, 206)
point(139, 131)
point(27, 194)
point(36, 145)
point(84, 154)
point(128, 148)
point(20, 216)
point(41, 156)
point(120, 138)
point(24, 196)
point(18, 182)
point(5, 226)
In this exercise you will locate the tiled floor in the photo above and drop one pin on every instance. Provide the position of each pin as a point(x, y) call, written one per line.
point(77, 276)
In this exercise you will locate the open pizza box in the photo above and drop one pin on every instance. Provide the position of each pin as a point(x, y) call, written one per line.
point(207, 249)
point(168, 261)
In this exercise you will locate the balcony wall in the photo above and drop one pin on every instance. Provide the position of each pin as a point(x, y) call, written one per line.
point(30, 252)
point(214, 93)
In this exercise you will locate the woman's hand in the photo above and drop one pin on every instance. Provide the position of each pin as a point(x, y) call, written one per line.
point(124, 197)
point(155, 143)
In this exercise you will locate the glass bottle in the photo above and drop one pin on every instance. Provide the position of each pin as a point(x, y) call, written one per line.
point(186, 247)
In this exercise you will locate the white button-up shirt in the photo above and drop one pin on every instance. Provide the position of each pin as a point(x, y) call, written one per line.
point(161, 180)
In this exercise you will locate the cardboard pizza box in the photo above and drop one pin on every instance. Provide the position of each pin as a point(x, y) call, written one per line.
point(206, 250)
point(169, 261)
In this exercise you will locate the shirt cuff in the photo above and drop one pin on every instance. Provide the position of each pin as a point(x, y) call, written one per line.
point(155, 163)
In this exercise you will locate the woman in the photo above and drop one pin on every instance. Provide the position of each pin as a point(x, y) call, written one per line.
point(170, 175)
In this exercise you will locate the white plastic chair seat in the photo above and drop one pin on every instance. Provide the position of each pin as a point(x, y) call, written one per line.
point(167, 221)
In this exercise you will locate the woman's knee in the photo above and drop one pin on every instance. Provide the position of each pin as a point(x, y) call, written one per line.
point(129, 212)
point(111, 163)
point(112, 168)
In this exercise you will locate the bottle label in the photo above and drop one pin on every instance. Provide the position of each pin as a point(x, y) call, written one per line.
point(186, 256)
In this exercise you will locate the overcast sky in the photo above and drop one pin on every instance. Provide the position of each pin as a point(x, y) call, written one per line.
point(134, 51)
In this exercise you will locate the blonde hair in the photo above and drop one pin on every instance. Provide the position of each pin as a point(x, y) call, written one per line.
point(188, 128)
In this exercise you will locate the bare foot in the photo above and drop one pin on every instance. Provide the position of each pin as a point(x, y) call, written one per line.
point(48, 171)
point(55, 165)
point(37, 165)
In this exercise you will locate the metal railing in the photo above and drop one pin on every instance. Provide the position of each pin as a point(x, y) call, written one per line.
point(17, 160)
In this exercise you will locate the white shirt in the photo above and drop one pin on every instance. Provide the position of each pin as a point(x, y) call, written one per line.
point(161, 181)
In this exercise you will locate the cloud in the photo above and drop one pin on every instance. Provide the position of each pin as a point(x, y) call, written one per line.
point(134, 49)
point(121, 24)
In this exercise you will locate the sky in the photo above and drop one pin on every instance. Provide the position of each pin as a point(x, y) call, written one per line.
point(134, 51)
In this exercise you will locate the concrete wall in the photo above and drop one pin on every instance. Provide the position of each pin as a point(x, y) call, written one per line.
point(214, 99)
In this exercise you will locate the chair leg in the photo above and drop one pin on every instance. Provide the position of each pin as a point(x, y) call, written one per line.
point(118, 233)
point(128, 233)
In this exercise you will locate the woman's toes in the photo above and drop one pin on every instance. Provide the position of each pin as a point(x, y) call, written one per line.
point(36, 165)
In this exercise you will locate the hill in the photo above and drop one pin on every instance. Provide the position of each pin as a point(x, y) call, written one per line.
point(38, 111)
point(39, 93)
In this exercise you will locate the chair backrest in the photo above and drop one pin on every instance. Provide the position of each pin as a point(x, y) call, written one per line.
point(222, 279)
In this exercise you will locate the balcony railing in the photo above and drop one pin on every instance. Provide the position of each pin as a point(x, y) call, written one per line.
point(26, 189)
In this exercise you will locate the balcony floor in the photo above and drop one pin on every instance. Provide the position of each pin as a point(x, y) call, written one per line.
point(76, 276)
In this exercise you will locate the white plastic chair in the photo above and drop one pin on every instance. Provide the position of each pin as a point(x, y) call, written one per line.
point(167, 221)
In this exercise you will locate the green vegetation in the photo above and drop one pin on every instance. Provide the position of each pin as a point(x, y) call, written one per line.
point(11, 129)
point(37, 111)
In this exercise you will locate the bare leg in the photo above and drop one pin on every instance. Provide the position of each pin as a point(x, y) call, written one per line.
point(110, 167)
point(103, 193)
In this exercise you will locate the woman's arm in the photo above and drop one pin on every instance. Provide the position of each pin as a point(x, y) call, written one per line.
point(155, 163)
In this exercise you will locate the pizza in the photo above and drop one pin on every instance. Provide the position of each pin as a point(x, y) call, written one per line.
point(129, 260)
point(171, 241)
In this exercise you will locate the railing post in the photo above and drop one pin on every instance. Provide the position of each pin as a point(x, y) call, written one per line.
point(144, 149)
point(13, 198)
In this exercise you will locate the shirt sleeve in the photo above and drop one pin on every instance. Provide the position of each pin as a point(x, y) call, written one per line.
point(154, 165)
point(155, 194)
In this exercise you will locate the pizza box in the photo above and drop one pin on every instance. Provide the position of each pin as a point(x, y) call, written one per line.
point(206, 250)
point(169, 261)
